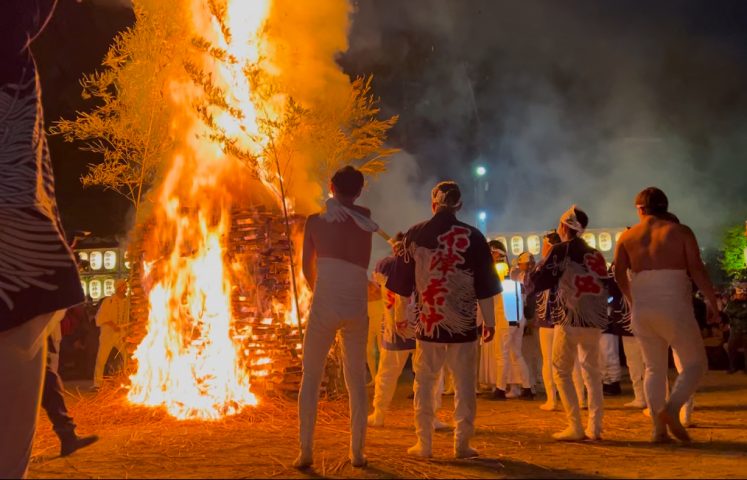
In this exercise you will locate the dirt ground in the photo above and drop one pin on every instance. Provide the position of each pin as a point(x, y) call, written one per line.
point(513, 438)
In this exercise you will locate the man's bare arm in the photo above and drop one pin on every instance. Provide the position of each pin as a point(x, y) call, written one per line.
point(309, 255)
point(698, 272)
point(487, 309)
point(622, 265)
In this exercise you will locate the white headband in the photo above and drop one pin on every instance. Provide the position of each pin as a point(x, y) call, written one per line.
point(569, 220)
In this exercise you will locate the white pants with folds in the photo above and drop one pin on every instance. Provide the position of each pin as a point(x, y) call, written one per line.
point(609, 350)
point(580, 344)
point(429, 360)
point(663, 316)
point(23, 354)
point(509, 353)
point(339, 305)
point(391, 364)
point(636, 367)
point(109, 339)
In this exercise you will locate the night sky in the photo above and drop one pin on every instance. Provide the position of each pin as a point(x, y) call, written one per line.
point(574, 101)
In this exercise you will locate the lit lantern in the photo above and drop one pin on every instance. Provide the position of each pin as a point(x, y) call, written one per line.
point(517, 245)
point(502, 269)
point(110, 259)
point(590, 239)
point(96, 260)
point(605, 242)
point(84, 287)
point(108, 287)
point(533, 244)
point(94, 289)
point(83, 256)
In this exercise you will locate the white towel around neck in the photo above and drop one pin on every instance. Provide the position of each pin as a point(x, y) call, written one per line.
point(337, 212)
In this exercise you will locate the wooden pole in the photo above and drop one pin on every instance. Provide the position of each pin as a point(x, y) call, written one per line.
point(290, 243)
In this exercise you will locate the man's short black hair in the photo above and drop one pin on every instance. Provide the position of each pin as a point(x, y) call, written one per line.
point(497, 245)
point(348, 181)
point(581, 216)
point(452, 195)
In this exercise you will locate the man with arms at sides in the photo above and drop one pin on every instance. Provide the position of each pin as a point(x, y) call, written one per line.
point(579, 313)
point(448, 264)
point(336, 252)
point(112, 319)
point(663, 258)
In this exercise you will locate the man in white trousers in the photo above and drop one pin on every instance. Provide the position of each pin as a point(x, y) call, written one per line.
point(336, 253)
point(511, 336)
point(448, 264)
point(39, 278)
point(398, 342)
point(663, 259)
point(112, 319)
point(580, 312)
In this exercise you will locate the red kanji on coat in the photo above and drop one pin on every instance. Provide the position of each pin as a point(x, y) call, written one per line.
point(587, 284)
point(596, 263)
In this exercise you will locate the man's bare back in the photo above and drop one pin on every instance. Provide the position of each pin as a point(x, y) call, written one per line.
point(656, 244)
point(341, 240)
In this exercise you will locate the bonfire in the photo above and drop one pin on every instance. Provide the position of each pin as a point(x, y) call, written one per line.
point(255, 115)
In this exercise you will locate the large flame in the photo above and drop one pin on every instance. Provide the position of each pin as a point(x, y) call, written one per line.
point(190, 361)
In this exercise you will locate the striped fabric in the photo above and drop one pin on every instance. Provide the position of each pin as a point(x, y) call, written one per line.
point(37, 271)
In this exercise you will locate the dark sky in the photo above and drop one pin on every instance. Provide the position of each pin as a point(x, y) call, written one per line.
point(573, 101)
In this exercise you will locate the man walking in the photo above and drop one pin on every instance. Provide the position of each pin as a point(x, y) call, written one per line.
point(448, 264)
point(663, 258)
point(39, 279)
point(580, 312)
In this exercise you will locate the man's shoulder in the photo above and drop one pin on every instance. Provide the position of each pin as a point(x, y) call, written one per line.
point(361, 209)
point(417, 228)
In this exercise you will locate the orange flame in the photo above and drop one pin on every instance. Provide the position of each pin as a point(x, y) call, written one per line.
point(193, 361)
point(189, 361)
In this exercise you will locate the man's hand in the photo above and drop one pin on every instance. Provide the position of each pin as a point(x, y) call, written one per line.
point(487, 334)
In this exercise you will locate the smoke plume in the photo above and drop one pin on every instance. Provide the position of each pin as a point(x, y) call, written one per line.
point(573, 102)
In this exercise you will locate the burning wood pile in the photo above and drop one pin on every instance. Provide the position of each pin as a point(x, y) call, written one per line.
point(259, 250)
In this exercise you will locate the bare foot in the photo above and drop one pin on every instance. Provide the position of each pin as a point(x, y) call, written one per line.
point(303, 460)
point(376, 420)
point(465, 451)
point(570, 434)
point(419, 450)
point(673, 422)
point(439, 425)
point(661, 438)
point(358, 461)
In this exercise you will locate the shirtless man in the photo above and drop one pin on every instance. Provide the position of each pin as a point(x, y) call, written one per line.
point(336, 252)
point(664, 259)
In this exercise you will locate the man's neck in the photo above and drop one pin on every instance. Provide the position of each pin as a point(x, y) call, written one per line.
point(445, 211)
point(346, 201)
